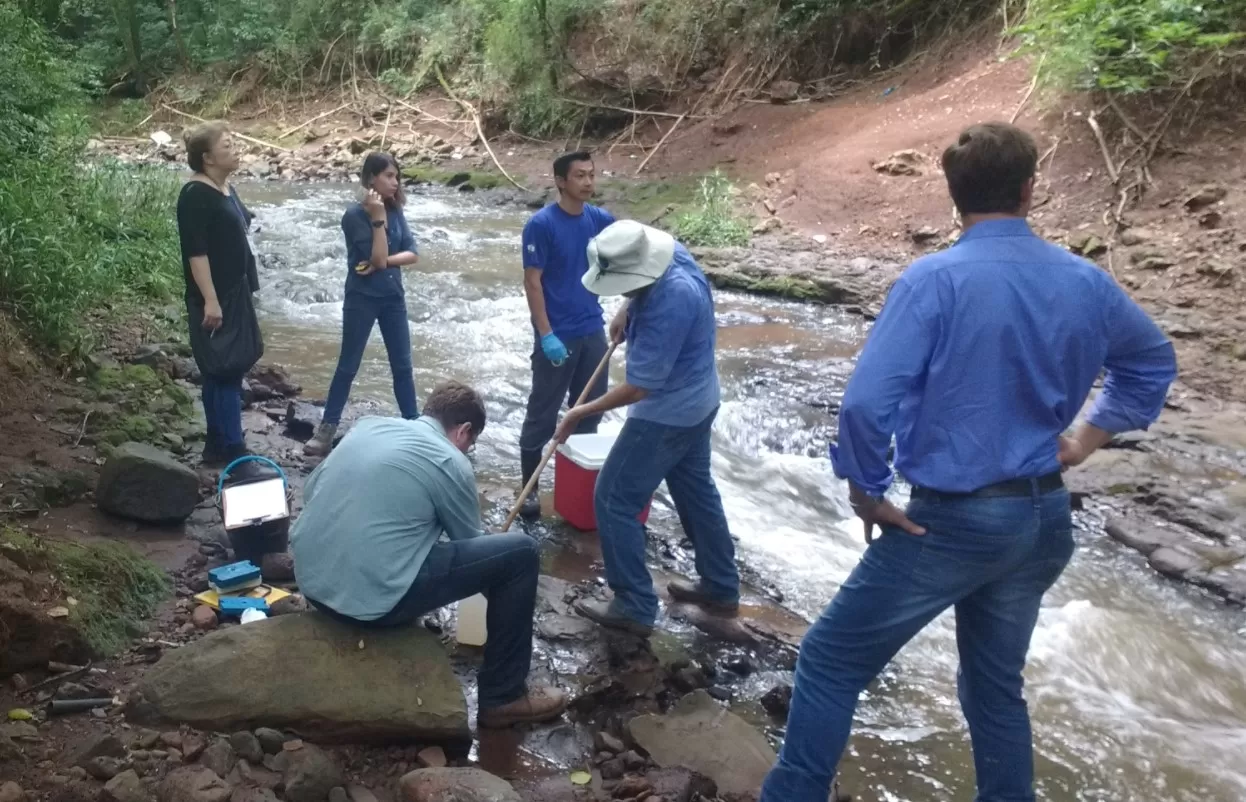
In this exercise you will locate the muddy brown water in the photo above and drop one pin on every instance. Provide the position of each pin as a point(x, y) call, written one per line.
point(1137, 688)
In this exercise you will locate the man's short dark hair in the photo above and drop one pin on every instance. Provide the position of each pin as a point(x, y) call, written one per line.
point(988, 166)
point(562, 165)
point(453, 404)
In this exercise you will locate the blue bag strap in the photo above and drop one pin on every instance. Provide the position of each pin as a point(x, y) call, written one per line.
point(220, 483)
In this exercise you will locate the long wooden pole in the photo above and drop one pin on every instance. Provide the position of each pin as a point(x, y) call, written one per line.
point(549, 452)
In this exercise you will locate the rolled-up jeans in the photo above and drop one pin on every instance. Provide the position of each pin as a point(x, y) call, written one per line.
point(992, 558)
point(503, 567)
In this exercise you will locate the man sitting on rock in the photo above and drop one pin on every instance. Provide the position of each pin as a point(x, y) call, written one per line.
point(672, 395)
point(369, 552)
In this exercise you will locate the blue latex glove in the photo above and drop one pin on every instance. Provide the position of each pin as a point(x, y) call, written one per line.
point(553, 349)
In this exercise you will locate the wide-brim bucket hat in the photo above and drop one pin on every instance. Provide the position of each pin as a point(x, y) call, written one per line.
point(627, 256)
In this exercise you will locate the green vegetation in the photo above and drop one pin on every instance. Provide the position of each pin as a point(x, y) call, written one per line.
point(76, 242)
point(428, 174)
point(115, 588)
point(711, 220)
point(139, 404)
point(1133, 46)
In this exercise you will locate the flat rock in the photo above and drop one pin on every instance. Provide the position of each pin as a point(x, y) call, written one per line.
point(702, 735)
point(143, 483)
point(333, 683)
point(455, 785)
point(679, 784)
point(193, 784)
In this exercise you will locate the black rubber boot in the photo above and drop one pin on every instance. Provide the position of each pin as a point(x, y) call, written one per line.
point(529, 461)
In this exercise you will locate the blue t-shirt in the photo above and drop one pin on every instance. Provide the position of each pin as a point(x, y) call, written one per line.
point(671, 336)
point(556, 243)
point(357, 228)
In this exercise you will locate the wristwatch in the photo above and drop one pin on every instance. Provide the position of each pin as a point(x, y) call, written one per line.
point(378, 224)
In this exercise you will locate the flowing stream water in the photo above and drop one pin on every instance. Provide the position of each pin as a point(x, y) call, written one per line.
point(1137, 687)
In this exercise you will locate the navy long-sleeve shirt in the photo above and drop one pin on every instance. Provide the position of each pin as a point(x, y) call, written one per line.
point(982, 357)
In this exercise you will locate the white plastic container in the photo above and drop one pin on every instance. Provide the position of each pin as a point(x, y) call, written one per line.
point(471, 629)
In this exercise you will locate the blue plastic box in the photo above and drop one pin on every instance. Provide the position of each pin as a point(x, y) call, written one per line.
point(235, 576)
point(233, 606)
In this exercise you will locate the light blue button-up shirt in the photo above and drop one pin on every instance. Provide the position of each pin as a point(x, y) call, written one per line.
point(982, 357)
point(373, 510)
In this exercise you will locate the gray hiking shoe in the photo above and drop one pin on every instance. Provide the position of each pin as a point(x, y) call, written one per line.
point(322, 443)
point(601, 613)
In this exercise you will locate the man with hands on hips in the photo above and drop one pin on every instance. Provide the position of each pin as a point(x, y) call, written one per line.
point(570, 339)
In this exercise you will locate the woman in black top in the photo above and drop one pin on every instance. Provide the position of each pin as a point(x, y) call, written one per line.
point(220, 277)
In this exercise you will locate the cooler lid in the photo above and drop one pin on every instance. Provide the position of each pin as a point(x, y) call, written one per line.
point(589, 451)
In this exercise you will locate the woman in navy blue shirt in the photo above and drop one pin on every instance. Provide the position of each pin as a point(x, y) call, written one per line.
point(379, 243)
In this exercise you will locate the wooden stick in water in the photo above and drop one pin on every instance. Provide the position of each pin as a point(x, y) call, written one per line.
point(549, 452)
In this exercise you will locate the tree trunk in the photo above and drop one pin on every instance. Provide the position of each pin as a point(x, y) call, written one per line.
point(182, 54)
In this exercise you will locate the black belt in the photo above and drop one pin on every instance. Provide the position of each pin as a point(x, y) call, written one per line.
point(1010, 489)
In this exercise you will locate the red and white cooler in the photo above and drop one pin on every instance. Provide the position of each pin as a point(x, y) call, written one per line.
point(576, 465)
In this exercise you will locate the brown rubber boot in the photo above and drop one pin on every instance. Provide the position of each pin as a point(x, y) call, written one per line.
point(693, 593)
point(539, 704)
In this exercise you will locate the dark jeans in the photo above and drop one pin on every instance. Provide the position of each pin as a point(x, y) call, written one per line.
point(644, 455)
point(222, 411)
point(505, 568)
point(554, 386)
point(991, 558)
point(359, 314)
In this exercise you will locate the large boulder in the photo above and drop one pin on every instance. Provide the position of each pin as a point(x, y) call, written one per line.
point(146, 484)
point(702, 735)
point(310, 675)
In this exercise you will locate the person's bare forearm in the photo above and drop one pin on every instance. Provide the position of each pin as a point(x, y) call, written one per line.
point(619, 396)
point(201, 272)
point(403, 258)
point(380, 249)
point(536, 301)
point(1091, 438)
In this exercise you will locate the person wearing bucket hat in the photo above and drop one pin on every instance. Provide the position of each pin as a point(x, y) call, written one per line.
point(672, 394)
point(569, 337)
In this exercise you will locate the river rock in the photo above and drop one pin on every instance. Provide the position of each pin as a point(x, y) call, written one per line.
point(1205, 197)
point(784, 91)
point(104, 768)
point(220, 757)
point(702, 735)
point(271, 740)
point(778, 700)
point(146, 484)
point(247, 746)
point(9, 751)
point(456, 785)
point(902, 162)
point(126, 787)
point(11, 792)
point(193, 784)
point(310, 775)
point(327, 681)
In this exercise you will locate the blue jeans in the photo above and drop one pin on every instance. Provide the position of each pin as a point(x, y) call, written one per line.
point(645, 454)
point(991, 558)
point(505, 568)
point(359, 314)
point(222, 411)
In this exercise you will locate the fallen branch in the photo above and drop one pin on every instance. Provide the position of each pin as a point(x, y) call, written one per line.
point(1033, 85)
point(303, 125)
point(1116, 107)
point(1103, 146)
point(243, 137)
point(419, 110)
point(587, 105)
point(385, 131)
point(480, 131)
point(146, 120)
point(661, 142)
point(82, 431)
point(77, 672)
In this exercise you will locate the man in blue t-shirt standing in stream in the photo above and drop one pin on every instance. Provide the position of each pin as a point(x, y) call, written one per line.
point(672, 395)
point(570, 336)
point(980, 361)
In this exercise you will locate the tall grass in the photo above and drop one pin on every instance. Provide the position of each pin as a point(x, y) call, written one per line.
point(712, 220)
point(77, 242)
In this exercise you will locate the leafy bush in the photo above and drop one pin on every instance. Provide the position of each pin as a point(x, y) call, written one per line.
point(712, 220)
point(74, 241)
point(1133, 46)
